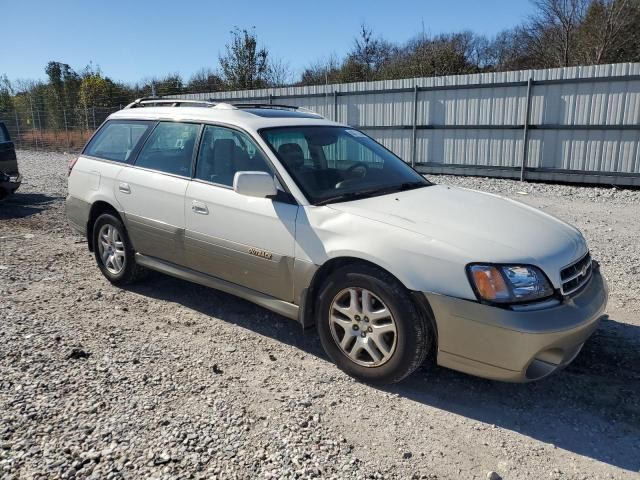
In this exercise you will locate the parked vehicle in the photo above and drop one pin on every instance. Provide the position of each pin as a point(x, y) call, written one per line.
point(10, 177)
point(316, 221)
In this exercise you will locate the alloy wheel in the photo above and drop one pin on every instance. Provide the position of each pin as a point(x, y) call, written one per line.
point(111, 249)
point(363, 327)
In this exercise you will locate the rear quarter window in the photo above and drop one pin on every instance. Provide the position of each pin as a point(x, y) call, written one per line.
point(118, 139)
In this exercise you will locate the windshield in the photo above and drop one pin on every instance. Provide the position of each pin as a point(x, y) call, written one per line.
point(333, 164)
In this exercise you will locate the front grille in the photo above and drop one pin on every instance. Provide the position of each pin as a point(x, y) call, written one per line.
point(576, 275)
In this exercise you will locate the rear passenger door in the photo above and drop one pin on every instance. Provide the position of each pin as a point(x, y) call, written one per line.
point(245, 240)
point(152, 191)
point(112, 148)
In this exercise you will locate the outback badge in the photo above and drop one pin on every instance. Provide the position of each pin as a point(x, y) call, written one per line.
point(260, 253)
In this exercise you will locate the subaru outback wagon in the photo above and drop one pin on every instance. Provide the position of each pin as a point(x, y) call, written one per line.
point(318, 222)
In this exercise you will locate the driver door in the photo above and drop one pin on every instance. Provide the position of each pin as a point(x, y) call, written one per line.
point(245, 240)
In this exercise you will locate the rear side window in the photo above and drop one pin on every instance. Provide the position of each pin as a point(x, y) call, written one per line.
point(170, 148)
point(4, 134)
point(117, 140)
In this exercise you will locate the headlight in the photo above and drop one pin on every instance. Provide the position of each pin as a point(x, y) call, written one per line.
point(508, 283)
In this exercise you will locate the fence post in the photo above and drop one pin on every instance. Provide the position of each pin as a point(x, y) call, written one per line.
point(413, 125)
point(93, 113)
point(40, 128)
point(66, 128)
point(525, 132)
point(335, 105)
point(17, 127)
point(33, 122)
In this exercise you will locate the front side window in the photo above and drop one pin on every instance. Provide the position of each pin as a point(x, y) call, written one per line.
point(169, 148)
point(338, 163)
point(117, 139)
point(223, 152)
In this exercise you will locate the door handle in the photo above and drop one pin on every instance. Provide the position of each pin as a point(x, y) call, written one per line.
point(199, 207)
point(124, 188)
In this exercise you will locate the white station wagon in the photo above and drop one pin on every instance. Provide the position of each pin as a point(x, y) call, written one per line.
point(316, 221)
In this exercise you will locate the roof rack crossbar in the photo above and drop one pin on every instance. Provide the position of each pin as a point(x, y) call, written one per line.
point(174, 102)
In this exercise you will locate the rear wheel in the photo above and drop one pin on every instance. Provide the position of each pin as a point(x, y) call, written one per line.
point(370, 326)
point(113, 251)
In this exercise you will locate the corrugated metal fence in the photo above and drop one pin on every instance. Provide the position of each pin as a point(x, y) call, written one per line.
point(578, 124)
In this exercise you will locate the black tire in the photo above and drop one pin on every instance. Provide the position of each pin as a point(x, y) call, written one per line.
point(131, 271)
point(414, 334)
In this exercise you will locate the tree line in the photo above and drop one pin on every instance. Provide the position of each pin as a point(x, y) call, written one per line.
point(559, 33)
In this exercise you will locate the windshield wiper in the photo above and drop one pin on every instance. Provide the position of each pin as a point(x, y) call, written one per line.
point(345, 197)
point(413, 185)
point(396, 188)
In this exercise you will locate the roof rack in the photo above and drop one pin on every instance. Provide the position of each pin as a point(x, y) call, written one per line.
point(265, 105)
point(275, 106)
point(171, 102)
point(177, 102)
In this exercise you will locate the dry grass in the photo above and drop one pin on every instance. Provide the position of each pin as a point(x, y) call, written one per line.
point(70, 141)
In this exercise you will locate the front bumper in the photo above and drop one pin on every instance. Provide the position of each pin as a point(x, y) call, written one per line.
point(516, 346)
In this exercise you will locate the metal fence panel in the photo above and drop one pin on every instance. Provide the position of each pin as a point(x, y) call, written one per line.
point(577, 124)
point(583, 123)
point(398, 141)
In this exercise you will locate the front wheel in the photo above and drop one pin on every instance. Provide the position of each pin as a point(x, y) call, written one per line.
point(369, 325)
point(113, 251)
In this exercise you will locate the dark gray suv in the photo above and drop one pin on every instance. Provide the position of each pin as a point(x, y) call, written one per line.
point(10, 178)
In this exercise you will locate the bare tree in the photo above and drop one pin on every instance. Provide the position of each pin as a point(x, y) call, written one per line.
point(279, 73)
point(553, 30)
point(608, 27)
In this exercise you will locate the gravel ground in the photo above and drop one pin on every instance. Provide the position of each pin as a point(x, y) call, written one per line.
point(167, 379)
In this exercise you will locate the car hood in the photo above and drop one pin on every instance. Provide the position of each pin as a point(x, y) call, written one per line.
point(477, 226)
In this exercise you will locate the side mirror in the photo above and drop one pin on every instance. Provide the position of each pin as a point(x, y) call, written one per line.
point(254, 184)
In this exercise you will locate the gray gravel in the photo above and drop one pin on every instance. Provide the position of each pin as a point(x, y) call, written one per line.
point(172, 380)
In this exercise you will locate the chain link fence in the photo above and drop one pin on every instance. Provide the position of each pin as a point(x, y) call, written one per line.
point(40, 128)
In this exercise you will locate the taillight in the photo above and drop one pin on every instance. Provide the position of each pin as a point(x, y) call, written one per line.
point(71, 164)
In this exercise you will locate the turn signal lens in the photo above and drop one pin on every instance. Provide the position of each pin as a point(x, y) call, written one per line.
point(489, 283)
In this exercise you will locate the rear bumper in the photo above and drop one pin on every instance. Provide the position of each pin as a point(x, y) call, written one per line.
point(10, 182)
point(516, 346)
point(77, 213)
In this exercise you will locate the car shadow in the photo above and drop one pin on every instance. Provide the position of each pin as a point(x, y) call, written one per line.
point(592, 408)
point(231, 309)
point(22, 205)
